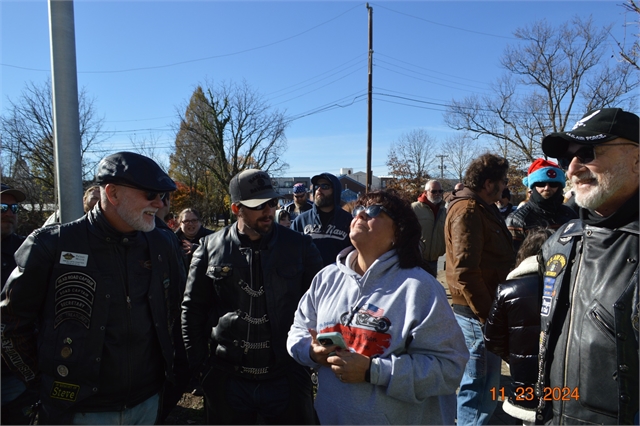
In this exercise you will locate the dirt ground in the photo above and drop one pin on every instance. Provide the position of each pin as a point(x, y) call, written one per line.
point(189, 411)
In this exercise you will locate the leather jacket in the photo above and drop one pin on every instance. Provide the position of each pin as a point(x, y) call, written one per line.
point(531, 215)
point(89, 318)
point(220, 278)
point(589, 324)
point(479, 252)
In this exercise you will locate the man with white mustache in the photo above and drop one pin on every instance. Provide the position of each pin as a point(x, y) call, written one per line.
point(589, 312)
point(91, 313)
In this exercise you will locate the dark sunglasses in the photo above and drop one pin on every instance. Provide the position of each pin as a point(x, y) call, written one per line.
point(6, 207)
point(543, 184)
point(150, 195)
point(324, 186)
point(271, 203)
point(371, 211)
point(584, 153)
point(437, 191)
point(299, 195)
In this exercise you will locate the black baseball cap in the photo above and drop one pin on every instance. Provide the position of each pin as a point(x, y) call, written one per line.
point(252, 187)
point(129, 168)
point(595, 127)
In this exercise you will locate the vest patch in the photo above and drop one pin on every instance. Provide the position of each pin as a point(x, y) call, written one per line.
point(74, 259)
point(65, 391)
point(555, 265)
point(75, 293)
point(547, 294)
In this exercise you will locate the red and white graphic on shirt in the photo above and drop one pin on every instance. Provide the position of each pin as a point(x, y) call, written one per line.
point(364, 332)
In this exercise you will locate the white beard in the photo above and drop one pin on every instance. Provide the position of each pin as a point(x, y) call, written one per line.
point(606, 184)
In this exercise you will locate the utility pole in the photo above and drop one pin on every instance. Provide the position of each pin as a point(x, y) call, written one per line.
point(442, 166)
point(369, 101)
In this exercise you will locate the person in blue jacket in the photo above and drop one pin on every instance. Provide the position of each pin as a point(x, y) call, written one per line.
point(326, 222)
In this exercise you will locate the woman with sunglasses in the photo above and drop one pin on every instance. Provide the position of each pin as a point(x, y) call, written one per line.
point(405, 353)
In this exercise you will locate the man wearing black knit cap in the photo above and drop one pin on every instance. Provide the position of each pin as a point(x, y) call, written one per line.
point(589, 316)
point(90, 314)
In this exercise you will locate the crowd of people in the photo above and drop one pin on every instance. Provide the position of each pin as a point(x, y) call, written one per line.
point(319, 313)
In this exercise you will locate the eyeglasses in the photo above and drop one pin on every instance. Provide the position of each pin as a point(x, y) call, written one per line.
point(584, 153)
point(299, 195)
point(324, 186)
point(150, 195)
point(271, 203)
point(192, 221)
point(437, 191)
point(371, 211)
point(6, 207)
point(543, 184)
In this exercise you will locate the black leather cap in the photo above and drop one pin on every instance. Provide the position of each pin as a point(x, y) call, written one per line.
point(133, 169)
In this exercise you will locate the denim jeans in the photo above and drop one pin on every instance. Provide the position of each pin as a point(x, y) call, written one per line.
point(476, 403)
point(144, 413)
point(12, 387)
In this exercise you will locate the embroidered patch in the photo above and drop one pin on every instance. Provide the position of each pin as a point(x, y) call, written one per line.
point(75, 259)
point(74, 297)
point(555, 265)
point(65, 391)
point(547, 295)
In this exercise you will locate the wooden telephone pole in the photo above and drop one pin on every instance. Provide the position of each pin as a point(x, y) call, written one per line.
point(370, 101)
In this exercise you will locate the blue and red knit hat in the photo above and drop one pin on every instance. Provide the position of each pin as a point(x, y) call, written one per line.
point(542, 170)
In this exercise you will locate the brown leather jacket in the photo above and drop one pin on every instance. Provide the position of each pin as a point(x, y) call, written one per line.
point(479, 252)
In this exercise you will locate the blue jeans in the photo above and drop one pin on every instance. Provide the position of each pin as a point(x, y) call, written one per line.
point(144, 413)
point(12, 387)
point(475, 400)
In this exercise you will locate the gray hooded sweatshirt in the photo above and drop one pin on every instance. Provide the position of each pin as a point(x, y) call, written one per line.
point(402, 320)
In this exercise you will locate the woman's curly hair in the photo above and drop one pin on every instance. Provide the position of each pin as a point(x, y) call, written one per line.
point(407, 227)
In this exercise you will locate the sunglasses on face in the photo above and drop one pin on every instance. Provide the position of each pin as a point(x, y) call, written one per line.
point(6, 207)
point(271, 203)
point(149, 195)
point(299, 196)
point(192, 221)
point(324, 186)
point(543, 184)
point(584, 153)
point(437, 191)
point(371, 211)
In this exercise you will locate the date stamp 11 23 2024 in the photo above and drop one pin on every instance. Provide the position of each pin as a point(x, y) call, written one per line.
point(528, 393)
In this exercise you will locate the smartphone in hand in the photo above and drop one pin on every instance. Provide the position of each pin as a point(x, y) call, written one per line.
point(331, 339)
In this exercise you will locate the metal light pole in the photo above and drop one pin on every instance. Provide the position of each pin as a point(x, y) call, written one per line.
point(66, 121)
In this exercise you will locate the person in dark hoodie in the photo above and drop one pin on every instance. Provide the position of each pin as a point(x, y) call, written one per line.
point(326, 222)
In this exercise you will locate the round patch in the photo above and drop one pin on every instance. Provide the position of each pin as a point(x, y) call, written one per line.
point(552, 173)
point(63, 370)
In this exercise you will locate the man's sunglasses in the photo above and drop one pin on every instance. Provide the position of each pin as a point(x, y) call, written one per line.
point(6, 207)
point(324, 186)
point(543, 184)
point(299, 195)
point(371, 211)
point(584, 153)
point(150, 195)
point(271, 203)
point(436, 191)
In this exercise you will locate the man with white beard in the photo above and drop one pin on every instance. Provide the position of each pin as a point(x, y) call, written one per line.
point(91, 312)
point(589, 316)
point(431, 212)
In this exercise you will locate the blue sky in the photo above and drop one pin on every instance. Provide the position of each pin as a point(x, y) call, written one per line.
point(141, 61)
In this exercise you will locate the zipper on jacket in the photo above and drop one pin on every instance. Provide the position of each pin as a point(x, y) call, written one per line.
point(579, 251)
